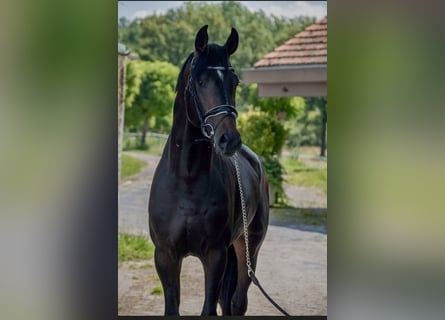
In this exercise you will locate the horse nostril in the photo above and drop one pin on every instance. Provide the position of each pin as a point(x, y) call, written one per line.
point(223, 141)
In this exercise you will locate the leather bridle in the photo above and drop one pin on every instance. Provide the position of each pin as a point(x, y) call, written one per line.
point(207, 129)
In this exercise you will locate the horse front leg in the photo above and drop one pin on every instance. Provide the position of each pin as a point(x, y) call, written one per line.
point(168, 266)
point(239, 298)
point(214, 265)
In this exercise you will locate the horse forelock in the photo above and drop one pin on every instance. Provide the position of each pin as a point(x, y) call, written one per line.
point(214, 56)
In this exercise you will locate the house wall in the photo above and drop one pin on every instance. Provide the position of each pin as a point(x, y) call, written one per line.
point(314, 89)
point(288, 81)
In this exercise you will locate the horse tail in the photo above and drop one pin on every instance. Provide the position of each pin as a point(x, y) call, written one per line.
point(229, 281)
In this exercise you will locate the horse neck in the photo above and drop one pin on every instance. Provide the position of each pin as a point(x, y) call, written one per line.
point(189, 155)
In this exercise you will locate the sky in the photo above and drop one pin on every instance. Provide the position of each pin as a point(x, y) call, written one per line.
point(288, 9)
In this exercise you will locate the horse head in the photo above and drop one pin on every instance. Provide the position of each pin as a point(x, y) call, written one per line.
point(212, 86)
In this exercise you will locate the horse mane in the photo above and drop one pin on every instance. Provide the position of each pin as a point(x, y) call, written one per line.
point(181, 74)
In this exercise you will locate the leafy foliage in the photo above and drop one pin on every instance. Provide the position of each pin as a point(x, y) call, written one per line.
point(306, 130)
point(150, 94)
point(170, 36)
point(282, 108)
point(133, 80)
point(263, 133)
point(275, 172)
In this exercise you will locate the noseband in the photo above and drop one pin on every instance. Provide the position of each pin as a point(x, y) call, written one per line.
point(207, 129)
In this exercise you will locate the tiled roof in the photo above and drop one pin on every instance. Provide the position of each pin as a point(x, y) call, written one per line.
point(306, 47)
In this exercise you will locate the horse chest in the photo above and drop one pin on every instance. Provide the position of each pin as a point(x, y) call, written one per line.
point(201, 216)
point(198, 207)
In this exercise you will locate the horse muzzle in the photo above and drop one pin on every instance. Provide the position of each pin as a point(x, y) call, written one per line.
point(219, 125)
point(228, 143)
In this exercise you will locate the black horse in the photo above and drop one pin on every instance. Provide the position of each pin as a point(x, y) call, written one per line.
point(195, 207)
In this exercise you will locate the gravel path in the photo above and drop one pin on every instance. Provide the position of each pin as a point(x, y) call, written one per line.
point(292, 264)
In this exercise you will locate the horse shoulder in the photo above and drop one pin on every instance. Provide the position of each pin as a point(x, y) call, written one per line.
point(253, 160)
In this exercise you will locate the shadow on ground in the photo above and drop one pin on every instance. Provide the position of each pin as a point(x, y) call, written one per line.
point(306, 219)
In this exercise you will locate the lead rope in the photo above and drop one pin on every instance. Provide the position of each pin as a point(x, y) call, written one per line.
point(250, 272)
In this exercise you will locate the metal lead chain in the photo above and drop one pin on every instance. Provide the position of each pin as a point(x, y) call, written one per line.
point(243, 209)
point(250, 272)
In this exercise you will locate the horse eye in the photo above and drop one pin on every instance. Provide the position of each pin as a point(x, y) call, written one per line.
point(201, 83)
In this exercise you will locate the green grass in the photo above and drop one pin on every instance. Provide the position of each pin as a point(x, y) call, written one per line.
point(153, 145)
point(292, 165)
point(134, 248)
point(306, 216)
point(131, 166)
point(316, 178)
point(311, 150)
point(297, 173)
point(157, 290)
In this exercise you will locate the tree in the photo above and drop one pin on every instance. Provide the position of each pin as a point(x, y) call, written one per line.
point(150, 95)
point(170, 36)
point(315, 123)
point(133, 82)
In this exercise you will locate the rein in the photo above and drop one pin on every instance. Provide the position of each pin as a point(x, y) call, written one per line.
point(207, 129)
point(250, 272)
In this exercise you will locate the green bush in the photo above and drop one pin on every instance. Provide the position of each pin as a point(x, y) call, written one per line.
point(265, 135)
point(275, 172)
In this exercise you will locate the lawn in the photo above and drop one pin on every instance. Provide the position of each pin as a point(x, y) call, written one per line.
point(153, 145)
point(298, 173)
point(131, 166)
point(134, 248)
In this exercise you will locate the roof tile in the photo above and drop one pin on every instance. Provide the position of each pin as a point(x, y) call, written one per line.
point(306, 47)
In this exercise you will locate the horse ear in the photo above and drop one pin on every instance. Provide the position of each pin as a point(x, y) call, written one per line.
point(201, 39)
point(232, 42)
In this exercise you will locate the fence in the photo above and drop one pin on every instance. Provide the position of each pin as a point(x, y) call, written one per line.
point(153, 141)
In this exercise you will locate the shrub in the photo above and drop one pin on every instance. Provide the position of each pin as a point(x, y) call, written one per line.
point(265, 135)
point(275, 171)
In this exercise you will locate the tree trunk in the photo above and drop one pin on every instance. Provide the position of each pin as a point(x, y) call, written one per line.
point(144, 131)
point(323, 132)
